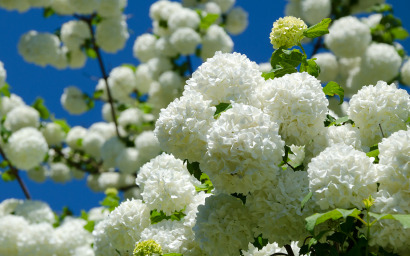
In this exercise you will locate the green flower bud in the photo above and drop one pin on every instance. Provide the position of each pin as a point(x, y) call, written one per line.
point(147, 248)
point(287, 32)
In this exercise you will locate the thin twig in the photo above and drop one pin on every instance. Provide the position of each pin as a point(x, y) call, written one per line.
point(381, 130)
point(289, 250)
point(77, 165)
point(15, 172)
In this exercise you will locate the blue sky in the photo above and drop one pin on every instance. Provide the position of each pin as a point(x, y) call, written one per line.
point(30, 81)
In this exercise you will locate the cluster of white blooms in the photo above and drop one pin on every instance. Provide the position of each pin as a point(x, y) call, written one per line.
point(27, 229)
point(329, 66)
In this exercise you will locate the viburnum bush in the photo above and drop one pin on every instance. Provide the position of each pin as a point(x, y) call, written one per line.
point(304, 155)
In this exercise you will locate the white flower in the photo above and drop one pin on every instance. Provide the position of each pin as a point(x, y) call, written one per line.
point(74, 33)
point(182, 127)
point(243, 151)
point(92, 142)
point(158, 66)
point(9, 103)
point(35, 212)
point(63, 7)
point(236, 21)
point(107, 130)
point(297, 102)
point(26, 148)
point(162, 10)
point(224, 4)
point(19, 5)
point(112, 33)
point(132, 193)
point(53, 133)
point(275, 208)
point(185, 40)
point(77, 59)
point(128, 160)
point(270, 249)
point(98, 214)
point(192, 209)
point(372, 20)
point(348, 37)
point(131, 117)
point(75, 136)
point(11, 227)
point(144, 47)
point(329, 67)
point(125, 224)
point(38, 174)
point(314, 11)
point(3, 74)
point(36, 240)
point(226, 77)
point(70, 235)
point(173, 237)
point(144, 77)
point(8, 206)
point(223, 225)
point(377, 110)
point(110, 150)
point(102, 243)
point(346, 134)
point(100, 182)
point(164, 47)
point(59, 172)
point(122, 82)
point(182, 18)
point(147, 145)
point(39, 48)
point(20, 117)
point(73, 100)
point(166, 188)
point(341, 177)
point(111, 8)
point(405, 73)
point(215, 39)
point(287, 32)
point(84, 6)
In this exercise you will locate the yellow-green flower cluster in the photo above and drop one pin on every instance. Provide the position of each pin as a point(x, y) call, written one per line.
point(287, 32)
point(148, 248)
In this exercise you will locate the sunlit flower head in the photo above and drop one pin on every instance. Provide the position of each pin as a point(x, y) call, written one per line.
point(287, 32)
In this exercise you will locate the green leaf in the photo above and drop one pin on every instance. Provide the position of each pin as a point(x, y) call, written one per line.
point(132, 67)
point(8, 176)
point(97, 94)
point(319, 29)
point(399, 33)
point(42, 110)
point(305, 200)
point(47, 12)
point(84, 215)
point(380, 8)
point(194, 169)
point(206, 184)
point(335, 214)
point(4, 164)
point(268, 75)
point(404, 219)
point(292, 57)
point(110, 201)
point(343, 120)
point(156, 216)
point(333, 88)
point(281, 71)
point(90, 52)
point(311, 67)
point(221, 107)
point(89, 226)
point(5, 90)
point(63, 124)
point(208, 20)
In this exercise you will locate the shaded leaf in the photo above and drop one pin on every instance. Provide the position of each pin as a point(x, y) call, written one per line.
point(305, 200)
point(404, 219)
point(335, 214)
point(311, 67)
point(47, 12)
point(221, 107)
point(332, 89)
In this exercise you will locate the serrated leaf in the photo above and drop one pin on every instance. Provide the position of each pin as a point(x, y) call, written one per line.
point(42, 110)
point(8, 176)
point(319, 29)
point(305, 200)
point(332, 89)
point(48, 12)
point(310, 66)
point(335, 214)
point(221, 107)
point(208, 20)
point(399, 33)
point(5, 90)
point(63, 124)
point(404, 219)
point(89, 226)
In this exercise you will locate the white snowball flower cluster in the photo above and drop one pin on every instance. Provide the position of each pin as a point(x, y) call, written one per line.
point(226, 77)
point(11, 227)
point(74, 33)
point(298, 104)
point(37, 240)
point(236, 21)
point(111, 8)
point(346, 134)
point(112, 33)
point(185, 40)
point(110, 150)
point(75, 136)
point(342, 177)
point(122, 82)
point(167, 188)
point(181, 128)
point(59, 172)
point(100, 182)
point(8, 206)
point(215, 39)
point(276, 208)
point(122, 228)
point(329, 67)
point(53, 133)
point(173, 237)
point(405, 73)
point(73, 100)
point(144, 47)
point(22, 116)
point(9, 103)
point(377, 110)
point(35, 212)
point(223, 231)
point(147, 145)
point(314, 11)
point(243, 151)
point(26, 148)
point(348, 37)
